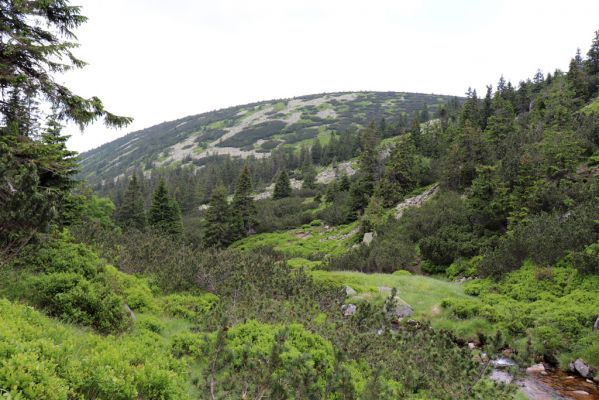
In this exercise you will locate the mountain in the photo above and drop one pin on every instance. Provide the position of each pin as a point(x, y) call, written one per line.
point(250, 130)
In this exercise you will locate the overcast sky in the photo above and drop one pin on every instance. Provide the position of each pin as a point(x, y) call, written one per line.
point(159, 60)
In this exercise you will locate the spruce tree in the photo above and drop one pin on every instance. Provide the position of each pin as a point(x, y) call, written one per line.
point(218, 220)
point(316, 151)
point(131, 213)
point(37, 170)
point(282, 186)
point(165, 214)
point(400, 175)
point(243, 203)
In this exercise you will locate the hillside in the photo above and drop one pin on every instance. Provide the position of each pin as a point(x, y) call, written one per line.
point(250, 130)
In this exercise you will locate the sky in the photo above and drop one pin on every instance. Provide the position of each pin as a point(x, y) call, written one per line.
point(157, 60)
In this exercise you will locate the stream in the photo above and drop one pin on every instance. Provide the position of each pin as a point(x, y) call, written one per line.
point(549, 384)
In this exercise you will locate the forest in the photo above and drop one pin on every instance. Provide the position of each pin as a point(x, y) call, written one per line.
point(405, 256)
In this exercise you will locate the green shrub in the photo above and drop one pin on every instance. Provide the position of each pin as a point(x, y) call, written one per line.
point(150, 323)
point(190, 306)
point(41, 359)
point(74, 298)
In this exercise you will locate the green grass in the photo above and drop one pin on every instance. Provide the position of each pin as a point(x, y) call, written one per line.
point(310, 242)
point(423, 293)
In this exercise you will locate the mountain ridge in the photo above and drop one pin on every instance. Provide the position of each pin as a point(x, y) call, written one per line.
point(250, 130)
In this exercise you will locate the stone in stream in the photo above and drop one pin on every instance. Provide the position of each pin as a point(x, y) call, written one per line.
point(537, 368)
point(580, 393)
point(582, 368)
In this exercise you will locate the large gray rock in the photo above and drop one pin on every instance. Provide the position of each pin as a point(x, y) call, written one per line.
point(582, 368)
point(403, 311)
point(348, 309)
point(368, 238)
point(350, 291)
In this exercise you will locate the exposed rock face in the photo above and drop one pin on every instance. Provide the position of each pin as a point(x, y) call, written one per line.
point(582, 368)
point(330, 174)
point(368, 238)
point(348, 309)
point(415, 201)
point(403, 311)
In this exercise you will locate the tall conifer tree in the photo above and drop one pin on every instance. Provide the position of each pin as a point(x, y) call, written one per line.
point(282, 186)
point(165, 215)
point(131, 212)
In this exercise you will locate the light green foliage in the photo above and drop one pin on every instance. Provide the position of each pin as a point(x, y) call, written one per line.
point(193, 307)
point(304, 359)
point(298, 262)
point(136, 291)
point(69, 281)
point(592, 108)
point(556, 307)
point(307, 242)
point(99, 210)
point(37, 361)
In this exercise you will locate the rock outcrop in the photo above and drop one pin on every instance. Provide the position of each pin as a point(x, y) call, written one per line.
point(415, 201)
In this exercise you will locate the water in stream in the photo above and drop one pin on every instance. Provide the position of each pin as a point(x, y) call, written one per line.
point(546, 385)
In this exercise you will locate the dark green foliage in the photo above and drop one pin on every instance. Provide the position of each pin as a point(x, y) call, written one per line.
point(164, 215)
point(38, 176)
point(282, 186)
point(544, 238)
point(400, 175)
point(467, 151)
point(131, 213)
point(243, 203)
point(284, 213)
point(218, 220)
point(37, 169)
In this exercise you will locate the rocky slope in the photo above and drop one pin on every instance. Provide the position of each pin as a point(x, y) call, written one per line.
point(249, 130)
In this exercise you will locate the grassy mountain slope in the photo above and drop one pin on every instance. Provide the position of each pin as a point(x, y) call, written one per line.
point(249, 130)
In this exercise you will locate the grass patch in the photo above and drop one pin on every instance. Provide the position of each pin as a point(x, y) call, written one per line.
point(309, 242)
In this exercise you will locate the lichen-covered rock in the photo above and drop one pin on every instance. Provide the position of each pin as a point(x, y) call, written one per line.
point(348, 309)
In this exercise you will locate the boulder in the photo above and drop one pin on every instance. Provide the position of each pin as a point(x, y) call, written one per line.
point(537, 368)
point(403, 311)
point(368, 238)
point(596, 325)
point(350, 291)
point(582, 368)
point(348, 309)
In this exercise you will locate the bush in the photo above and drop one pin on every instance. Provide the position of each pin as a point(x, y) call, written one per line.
point(37, 361)
point(74, 298)
point(190, 306)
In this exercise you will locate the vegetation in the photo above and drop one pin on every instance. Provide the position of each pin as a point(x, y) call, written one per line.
point(343, 289)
